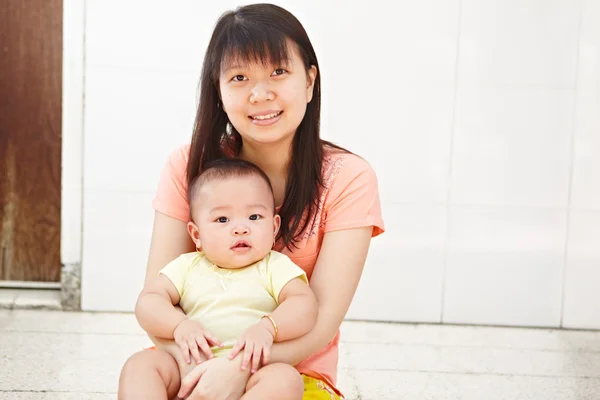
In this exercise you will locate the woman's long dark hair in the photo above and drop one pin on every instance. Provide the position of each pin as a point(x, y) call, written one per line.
point(259, 33)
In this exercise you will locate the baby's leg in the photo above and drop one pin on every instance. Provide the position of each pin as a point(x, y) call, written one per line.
point(275, 382)
point(149, 375)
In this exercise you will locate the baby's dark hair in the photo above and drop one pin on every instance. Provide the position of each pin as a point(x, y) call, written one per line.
point(225, 168)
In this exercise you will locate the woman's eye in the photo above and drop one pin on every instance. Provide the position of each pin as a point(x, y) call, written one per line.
point(222, 219)
point(279, 71)
point(238, 78)
point(255, 217)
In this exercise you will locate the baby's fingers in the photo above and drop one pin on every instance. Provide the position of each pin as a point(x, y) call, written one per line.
point(266, 355)
point(185, 350)
point(201, 342)
point(239, 345)
point(194, 351)
point(248, 351)
point(212, 339)
point(256, 355)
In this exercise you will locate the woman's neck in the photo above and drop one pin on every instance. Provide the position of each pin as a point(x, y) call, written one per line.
point(274, 161)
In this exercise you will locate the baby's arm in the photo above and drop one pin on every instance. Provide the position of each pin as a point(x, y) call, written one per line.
point(295, 316)
point(297, 312)
point(155, 309)
point(156, 313)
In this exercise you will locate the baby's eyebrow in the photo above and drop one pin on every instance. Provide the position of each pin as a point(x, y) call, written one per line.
point(219, 209)
point(257, 206)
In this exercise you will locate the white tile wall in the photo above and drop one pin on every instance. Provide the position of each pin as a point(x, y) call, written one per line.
point(526, 43)
point(402, 280)
point(479, 116)
point(148, 35)
point(504, 266)
point(134, 119)
point(586, 172)
point(412, 166)
point(406, 97)
point(581, 299)
point(117, 231)
point(395, 44)
point(512, 147)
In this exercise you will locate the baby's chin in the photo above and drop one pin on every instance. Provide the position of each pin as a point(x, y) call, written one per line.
point(235, 261)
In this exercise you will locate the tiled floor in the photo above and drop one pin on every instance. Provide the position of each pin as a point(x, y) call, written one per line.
point(54, 355)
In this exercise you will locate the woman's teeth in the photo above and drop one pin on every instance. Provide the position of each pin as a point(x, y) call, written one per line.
point(268, 116)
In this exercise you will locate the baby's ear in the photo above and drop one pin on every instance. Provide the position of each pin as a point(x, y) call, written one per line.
point(194, 234)
point(276, 225)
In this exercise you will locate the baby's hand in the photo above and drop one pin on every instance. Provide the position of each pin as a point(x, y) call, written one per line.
point(256, 342)
point(191, 335)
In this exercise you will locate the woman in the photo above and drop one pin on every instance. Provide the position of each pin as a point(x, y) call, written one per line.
point(260, 102)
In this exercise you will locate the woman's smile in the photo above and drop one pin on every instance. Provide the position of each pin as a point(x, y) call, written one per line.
point(265, 119)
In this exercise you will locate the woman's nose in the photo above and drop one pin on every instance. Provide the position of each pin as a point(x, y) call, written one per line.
point(261, 92)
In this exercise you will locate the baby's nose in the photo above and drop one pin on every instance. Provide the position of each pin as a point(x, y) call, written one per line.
point(241, 230)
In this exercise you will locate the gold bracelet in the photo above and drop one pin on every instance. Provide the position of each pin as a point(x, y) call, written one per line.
point(274, 326)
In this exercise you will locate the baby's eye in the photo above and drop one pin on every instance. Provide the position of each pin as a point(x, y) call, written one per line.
point(222, 219)
point(279, 71)
point(255, 217)
point(238, 78)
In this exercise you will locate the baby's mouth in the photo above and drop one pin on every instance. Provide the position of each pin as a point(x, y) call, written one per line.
point(241, 245)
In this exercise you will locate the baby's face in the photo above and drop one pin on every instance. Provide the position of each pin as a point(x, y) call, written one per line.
point(235, 221)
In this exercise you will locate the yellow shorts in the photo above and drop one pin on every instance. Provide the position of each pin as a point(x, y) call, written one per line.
point(315, 389)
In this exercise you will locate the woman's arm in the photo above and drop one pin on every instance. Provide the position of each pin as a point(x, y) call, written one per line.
point(334, 282)
point(170, 239)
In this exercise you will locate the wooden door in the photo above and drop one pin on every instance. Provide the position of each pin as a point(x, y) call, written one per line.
point(30, 139)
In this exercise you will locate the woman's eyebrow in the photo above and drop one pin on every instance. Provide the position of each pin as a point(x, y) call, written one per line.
point(230, 67)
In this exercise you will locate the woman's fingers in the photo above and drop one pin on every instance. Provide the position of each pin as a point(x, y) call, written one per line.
point(191, 380)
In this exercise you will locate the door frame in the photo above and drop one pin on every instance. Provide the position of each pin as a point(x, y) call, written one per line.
point(73, 93)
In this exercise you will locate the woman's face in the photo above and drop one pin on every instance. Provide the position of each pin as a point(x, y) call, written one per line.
point(266, 104)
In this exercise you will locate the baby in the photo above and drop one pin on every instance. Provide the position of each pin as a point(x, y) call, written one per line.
point(235, 291)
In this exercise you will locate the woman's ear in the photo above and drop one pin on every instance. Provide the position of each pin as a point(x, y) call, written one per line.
point(194, 234)
point(310, 76)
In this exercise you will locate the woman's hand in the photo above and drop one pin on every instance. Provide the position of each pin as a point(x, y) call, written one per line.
point(215, 379)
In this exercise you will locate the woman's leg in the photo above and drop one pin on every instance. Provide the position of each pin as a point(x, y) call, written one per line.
point(275, 382)
point(149, 375)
